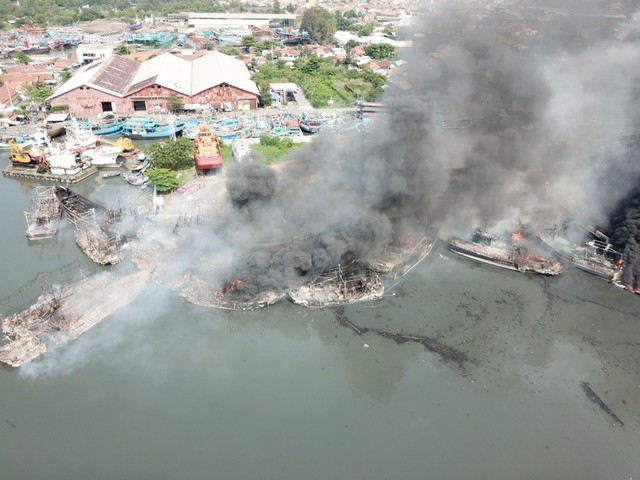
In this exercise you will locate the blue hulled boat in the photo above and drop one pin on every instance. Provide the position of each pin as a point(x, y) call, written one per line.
point(144, 128)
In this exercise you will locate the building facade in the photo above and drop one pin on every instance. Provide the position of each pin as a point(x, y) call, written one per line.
point(124, 86)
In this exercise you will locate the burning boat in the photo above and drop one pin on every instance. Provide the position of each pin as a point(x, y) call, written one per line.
point(229, 297)
point(403, 255)
point(44, 218)
point(63, 314)
point(343, 285)
point(595, 256)
point(514, 253)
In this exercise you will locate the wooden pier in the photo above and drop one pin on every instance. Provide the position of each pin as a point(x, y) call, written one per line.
point(32, 174)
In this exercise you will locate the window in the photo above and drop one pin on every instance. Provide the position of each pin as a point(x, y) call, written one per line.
point(140, 106)
point(107, 107)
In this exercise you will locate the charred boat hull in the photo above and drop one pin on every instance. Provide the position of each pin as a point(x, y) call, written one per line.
point(510, 257)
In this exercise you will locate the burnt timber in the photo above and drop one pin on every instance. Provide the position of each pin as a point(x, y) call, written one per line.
point(94, 223)
point(344, 285)
point(63, 314)
point(520, 256)
point(198, 292)
point(394, 261)
point(598, 401)
point(44, 218)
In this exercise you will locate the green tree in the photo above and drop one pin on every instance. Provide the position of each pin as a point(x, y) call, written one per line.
point(174, 102)
point(290, 8)
point(172, 154)
point(265, 95)
point(366, 30)
point(249, 41)
point(312, 66)
point(122, 50)
point(380, 51)
point(319, 24)
point(342, 22)
point(276, 7)
point(22, 58)
point(65, 75)
point(37, 92)
point(164, 179)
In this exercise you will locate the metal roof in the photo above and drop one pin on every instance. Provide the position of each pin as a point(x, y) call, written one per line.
point(111, 75)
point(121, 76)
point(192, 76)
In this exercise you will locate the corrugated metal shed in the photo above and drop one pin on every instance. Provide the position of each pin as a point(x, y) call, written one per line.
point(192, 76)
point(121, 77)
point(111, 75)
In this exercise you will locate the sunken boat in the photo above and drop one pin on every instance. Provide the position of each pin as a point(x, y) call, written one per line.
point(43, 220)
point(513, 253)
point(64, 313)
point(595, 255)
point(344, 285)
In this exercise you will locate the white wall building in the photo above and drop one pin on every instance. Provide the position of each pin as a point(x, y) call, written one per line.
point(88, 52)
point(229, 20)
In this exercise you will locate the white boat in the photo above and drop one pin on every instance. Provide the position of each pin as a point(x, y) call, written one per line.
point(103, 156)
point(79, 140)
point(135, 179)
point(240, 150)
point(62, 162)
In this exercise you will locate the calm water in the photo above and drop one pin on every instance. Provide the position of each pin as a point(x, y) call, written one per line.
point(167, 390)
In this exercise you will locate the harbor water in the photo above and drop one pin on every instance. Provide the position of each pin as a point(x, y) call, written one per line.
point(164, 389)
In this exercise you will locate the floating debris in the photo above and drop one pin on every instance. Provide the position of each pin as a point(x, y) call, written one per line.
point(596, 399)
point(446, 353)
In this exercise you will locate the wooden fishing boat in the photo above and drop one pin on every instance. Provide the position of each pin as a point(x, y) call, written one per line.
point(75, 205)
point(345, 285)
point(594, 257)
point(144, 128)
point(63, 314)
point(44, 218)
point(513, 253)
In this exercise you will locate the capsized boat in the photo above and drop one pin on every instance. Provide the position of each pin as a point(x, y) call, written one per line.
point(207, 153)
point(513, 253)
